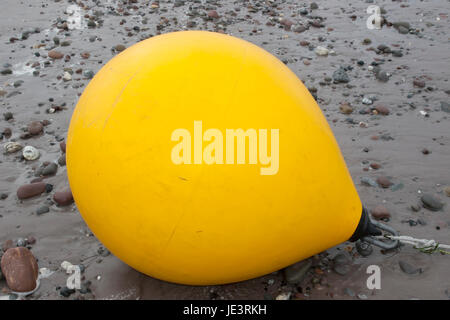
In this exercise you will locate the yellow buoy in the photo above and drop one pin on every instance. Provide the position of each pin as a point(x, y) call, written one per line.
point(199, 158)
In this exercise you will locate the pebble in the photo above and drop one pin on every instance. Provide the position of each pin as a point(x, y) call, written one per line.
point(366, 101)
point(432, 203)
point(213, 14)
point(345, 108)
point(50, 169)
point(35, 128)
point(321, 51)
point(119, 47)
point(419, 83)
point(384, 182)
point(31, 190)
point(62, 146)
point(382, 76)
point(340, 76)
point(283, 296)
point(369, 182)
point(42, 210)
point(295, 273)
point(30, 153)
point(382, 110)
point(63, 198)
point(408, 268)
point(341, 264)
point(66, 292)
point(20, 269)
point(55, 54)
point(67, 76)
point(380, 212)
point(62, 160)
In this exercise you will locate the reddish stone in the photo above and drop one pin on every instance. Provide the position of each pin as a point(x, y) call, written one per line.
point(55, 54)
point(380, 212)
point(419, 83)
point(213, 14)
point(375, 166)
point(62, 145)
point(382, 110)
point(20, 269)
point(35, 128)
point(63, 198)
point(384, 182)
point(30, 190)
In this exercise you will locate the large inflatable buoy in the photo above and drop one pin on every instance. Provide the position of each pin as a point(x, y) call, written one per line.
point(199, 158)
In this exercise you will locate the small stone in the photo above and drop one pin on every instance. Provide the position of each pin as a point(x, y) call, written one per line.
point(321, 51)
point(375, 166)
point(42, 210)
point(382, 110)
point(62, 146)
point(432, 203)
point(402, 30)
point(20, 269)
point(62, 160)
point(31, 190)
point(345, 108)
point(67, 76)
point(340, 76)
point(119, 47)
point(384, 182)
point(283, 296)
point(382, 76)
point(50, 169)
point(313, 6)
point(55, 54)
point(89, 74)
point(213, 14)
point(30, 153)
point(85, 55)
point(66, 292)
point(419, 83)
point(408, 268)
point(296, 273)
point(63, 198)
point(35, 128)
point(341, 264)
point(368, 182)
point(380, 212)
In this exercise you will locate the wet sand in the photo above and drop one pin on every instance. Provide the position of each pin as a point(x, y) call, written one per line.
point(417, 120)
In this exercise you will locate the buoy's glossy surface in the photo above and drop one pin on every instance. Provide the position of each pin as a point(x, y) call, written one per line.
point(206, 223)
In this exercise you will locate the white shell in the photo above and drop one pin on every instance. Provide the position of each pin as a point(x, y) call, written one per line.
point(30, 153)
point(11, 147)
